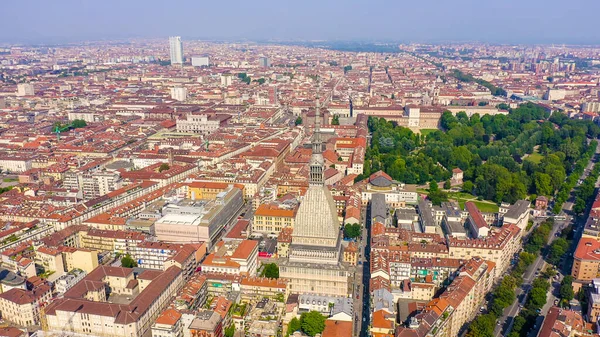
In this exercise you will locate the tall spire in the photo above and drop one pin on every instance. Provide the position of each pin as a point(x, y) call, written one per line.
point(317, 163)
point(316, 142)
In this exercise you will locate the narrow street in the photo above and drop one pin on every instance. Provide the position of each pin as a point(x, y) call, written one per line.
point(362, 306)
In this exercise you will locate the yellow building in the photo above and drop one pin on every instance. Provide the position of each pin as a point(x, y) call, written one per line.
point(351, 254)
point(208, 190)
point(22, 307)
point(423, 291)
point(51, 259)
point(271, 218)
point(79, 258)
point(283, 242)
point(112, 241)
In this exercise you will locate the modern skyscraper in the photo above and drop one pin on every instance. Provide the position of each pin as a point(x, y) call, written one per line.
point(176, 49)
point(313, 266)
point(264, 62)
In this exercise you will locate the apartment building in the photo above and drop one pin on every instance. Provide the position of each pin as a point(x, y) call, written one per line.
point(85, 308)
point(586, 260)
point(68, 281)
point(272, 218)
point(467, 291)
point(233, 257)
point(255, 288)
point(92, 184)
point(50, 259)
point(22, 307)
point(499, 247)
point(446, 315)
point(79, 258)
point(168, 324)
point(113, 241)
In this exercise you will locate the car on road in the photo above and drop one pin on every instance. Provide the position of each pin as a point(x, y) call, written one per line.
point(555, 302)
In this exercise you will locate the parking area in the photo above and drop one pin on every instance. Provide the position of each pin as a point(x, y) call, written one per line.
point(266, 245)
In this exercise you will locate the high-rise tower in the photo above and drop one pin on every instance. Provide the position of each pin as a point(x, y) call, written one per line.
point(313, 266)
point(176, 50)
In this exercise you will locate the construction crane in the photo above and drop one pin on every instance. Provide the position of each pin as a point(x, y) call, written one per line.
point(58, 128)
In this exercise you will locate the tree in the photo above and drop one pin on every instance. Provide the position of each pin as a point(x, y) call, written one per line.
point(352, 231)
point(293, 326)
point(298, 120)
point(271, 270)
point(230, 331)
point(543, 184)
point(163, 167)
point(566, 288)
point(128, 262)
point(557, 249)
point(347, 69)
point(467, 186)
point(335, 120)
point(78, 123)
point(447, 185)
point(437, 197)
point(312, 322)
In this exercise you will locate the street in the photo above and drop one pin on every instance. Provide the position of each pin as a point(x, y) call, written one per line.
point(506, 321)
point(362, 305)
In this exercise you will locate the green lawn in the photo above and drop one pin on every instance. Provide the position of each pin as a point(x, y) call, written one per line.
point(462, 197)
point(483, 206)
point(534, 157)
point(425, 132)
point(10, 180)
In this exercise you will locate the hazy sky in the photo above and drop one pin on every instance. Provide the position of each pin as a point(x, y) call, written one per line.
point(520, 21)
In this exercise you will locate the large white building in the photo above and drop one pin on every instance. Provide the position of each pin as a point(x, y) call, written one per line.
point(200, 61)
point(25, 89)
point(176, 49)
point(179, 93)
point(15, 163)
point(199, 123)
point(590, 107)
point(92, 185)
point(226, 79)
point(193, 221)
